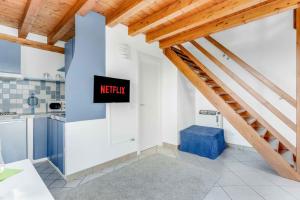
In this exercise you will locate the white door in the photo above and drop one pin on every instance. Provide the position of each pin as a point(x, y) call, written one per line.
point(149, 101)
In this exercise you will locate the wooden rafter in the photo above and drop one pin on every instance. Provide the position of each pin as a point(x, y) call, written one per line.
point(215, 11)
point(29, 16)
point(62, 27)
point(31, 43)
point(243, 17)
point(254, 72)
point(248, 88)
point(126, 9)
point(163, 15)
point(87, 7)
point(298, 88)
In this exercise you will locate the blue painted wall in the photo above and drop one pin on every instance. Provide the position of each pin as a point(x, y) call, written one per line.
point(10, 57)
point(88, 60)
point(69, 53)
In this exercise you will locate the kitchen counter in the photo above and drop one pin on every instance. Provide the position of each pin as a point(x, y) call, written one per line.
point(60, 116)
point(25, 185)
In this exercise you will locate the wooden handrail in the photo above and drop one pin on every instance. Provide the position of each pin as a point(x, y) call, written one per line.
point(251, 111)
point(254, 72)
point(298, 87)
point(249, 89)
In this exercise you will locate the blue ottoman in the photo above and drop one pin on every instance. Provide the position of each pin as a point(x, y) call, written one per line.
point(203, 141)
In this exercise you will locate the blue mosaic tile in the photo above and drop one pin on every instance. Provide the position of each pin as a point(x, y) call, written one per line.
point(5, 90)
point(12, 86)
point(19, 96)
point(24, 92)
point(12, 96)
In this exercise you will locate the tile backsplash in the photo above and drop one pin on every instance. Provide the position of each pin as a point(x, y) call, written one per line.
point(14, 94)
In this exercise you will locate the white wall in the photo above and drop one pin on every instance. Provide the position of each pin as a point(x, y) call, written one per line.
point(186, 102)
point(269, 46)
point(169, 108)
point(36, 62)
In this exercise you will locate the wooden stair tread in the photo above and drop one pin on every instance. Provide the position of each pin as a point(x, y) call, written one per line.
point(204, 77)
point(230, 101)
point(262, 131)
point(240, 111)
point(274, 143)
point(222, 94)
point(213, 85)
point(288, 156)
point(250, 120)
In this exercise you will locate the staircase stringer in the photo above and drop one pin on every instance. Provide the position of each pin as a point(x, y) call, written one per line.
point(275, 133)
point(272, 157)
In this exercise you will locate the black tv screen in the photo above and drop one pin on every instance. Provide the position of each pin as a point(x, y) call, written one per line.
point(111, 90)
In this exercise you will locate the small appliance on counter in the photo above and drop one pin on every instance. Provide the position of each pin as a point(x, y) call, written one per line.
point(32, 101)
point(56, 106)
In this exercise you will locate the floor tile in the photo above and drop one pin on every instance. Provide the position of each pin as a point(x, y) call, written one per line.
point(48, 182)
point(58, 184)
point(43, 175)
point(242, 174)
point(217, 193)
point(228, 178)
point(48, 170)
point(243, 155)
point(56, 192)
point(72, 184)
point(54, 176)
point(294, 191)
point(241, 193)
point(259, 165)
point(238, 166)
point(280, 181)
point(254, 178)
point(91, 177)
point(273, 193)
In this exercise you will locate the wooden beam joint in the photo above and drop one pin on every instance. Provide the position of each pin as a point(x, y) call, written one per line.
point(31, 43)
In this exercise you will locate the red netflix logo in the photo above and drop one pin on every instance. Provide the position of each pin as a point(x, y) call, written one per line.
point(110, 89)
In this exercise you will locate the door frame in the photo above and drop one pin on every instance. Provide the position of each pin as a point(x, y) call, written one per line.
point(160, 60)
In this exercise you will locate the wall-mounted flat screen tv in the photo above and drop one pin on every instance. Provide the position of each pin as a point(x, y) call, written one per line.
point(111, 90)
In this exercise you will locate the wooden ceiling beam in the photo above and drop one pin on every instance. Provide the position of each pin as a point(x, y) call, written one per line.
point(87, 7)
point(126, 9)
point(31, 11)
point(63, 27)
point(163, 15)
point(31, 43)
point(215, 11)
point(254, 13)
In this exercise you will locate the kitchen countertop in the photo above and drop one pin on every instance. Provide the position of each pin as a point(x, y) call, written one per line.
point(26, 185)
point(60, 116)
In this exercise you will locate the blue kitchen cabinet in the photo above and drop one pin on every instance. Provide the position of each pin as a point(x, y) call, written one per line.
point(56, 143)
point(60, 146)
point(10, 58)
point(49, 137)
point(40, 138)
point(13, 140)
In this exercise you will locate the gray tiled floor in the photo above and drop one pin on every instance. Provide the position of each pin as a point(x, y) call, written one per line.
point(243, 175)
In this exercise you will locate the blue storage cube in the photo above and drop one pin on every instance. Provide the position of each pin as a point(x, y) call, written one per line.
point(203, 141)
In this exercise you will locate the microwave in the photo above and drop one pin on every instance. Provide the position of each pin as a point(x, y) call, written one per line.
point(56, 106)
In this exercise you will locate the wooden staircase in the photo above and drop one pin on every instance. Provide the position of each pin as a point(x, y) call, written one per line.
point(274, 148)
